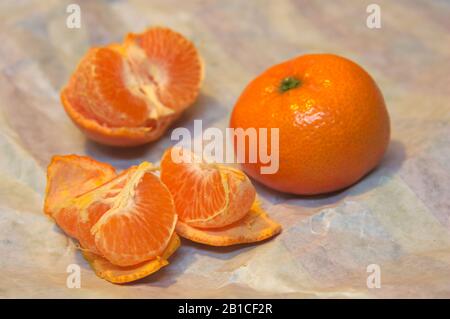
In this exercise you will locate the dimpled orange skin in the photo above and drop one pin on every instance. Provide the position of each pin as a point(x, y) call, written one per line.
point(333, 123)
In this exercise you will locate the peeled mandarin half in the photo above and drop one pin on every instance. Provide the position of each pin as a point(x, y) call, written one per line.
point(216, 204)
point(127, 220)
point(128, 94)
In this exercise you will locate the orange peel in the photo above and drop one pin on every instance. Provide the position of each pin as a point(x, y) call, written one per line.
point(120, 275)
point(67, 177)
point(255, 226)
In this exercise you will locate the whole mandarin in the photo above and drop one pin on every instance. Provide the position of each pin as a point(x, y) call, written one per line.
point(333, 123)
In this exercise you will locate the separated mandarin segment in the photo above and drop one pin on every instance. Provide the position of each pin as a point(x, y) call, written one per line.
point(216, 204)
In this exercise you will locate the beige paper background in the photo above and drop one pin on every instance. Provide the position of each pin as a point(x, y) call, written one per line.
point(397, 217)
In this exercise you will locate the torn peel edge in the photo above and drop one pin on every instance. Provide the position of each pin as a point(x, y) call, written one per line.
point(231, 235)
point(120, 275)
point(83, 163)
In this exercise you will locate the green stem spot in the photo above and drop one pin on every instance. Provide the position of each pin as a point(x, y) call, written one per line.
point(289, 83)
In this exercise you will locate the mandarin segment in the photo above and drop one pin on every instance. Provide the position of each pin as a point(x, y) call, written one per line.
point(205, 195)
point(67, 219)
point(175, 65)
point(76, 214)
point(84, 224)
point(94, 204)
point(215, 203)
point(117, 105)
point(140, 222)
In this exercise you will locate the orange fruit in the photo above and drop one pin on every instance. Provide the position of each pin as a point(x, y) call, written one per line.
point(127, 220)
point(254, 226)
point(206, 195)
point(215, 204)
point(333, 123)
point(128, 94)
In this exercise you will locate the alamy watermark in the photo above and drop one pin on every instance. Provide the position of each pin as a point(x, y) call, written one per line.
point(374, 279)
point(74, 278)
point(73, 20)
point(373, 20)
point(253, 145)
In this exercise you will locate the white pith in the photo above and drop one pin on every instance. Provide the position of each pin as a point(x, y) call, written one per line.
point(224, 171)
point(142, 77)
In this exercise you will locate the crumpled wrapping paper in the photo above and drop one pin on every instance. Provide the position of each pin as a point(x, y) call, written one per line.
point(398, 217)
